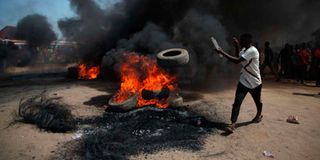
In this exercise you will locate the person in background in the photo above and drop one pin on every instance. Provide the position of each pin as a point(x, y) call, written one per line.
point(304, 61)
point(290, 63)
point(3, 56)
point(268, 59)
point(284, 59)
point(317, 64)
point(295, 61)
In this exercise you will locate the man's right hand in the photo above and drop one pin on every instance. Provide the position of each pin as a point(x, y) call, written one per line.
point(219, 50)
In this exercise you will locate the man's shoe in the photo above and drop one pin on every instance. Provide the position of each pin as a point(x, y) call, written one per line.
point(230, 128)
point(257, 119)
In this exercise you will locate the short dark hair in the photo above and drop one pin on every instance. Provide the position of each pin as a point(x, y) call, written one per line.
point(247, 36)
point(267, 43)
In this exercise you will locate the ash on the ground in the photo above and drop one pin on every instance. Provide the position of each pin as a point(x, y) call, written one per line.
point(144, 130)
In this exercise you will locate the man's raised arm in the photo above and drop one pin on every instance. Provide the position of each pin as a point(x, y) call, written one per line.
point(236, 47)
point(235, 59)
point(229, 57)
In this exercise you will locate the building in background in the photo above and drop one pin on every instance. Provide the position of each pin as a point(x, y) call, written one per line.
point(15, 52)
point(8, 32)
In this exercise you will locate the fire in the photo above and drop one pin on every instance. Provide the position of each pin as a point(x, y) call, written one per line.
point(86, 72)
point(141, 72)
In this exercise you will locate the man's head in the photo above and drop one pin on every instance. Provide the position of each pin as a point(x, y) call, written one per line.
point(245, 40)
point(287, 46)
point(267, 44)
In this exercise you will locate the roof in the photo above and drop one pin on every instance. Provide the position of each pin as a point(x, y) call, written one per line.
point(53, 43)
point(8, 32)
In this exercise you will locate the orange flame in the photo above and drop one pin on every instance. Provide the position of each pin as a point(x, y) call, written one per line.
point(141, 72)
point(86, 72)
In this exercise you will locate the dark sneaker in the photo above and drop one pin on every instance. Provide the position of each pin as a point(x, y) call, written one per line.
point(230, 128)
point(257, 119)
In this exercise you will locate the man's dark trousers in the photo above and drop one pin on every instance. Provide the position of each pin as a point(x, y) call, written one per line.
point(241, 94)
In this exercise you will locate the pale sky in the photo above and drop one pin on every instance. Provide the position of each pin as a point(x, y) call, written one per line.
point(11, 11)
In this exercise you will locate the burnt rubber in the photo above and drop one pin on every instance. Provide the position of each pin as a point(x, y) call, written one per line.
point(124, 106)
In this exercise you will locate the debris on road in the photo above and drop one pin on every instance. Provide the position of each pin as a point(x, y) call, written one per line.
point(77, 136)
point(293, 119)
point(268, 154)
point(47, 113)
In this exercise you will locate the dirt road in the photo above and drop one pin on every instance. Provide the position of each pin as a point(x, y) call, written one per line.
point(274, 134)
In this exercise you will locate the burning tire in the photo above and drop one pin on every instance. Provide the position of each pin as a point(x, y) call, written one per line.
point(161, 94)
point(124, 106)
point(173, 57)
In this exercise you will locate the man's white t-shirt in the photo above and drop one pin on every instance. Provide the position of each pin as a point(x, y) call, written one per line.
point(250, 72)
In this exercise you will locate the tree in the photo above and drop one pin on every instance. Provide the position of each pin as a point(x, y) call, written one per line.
point(36, 30)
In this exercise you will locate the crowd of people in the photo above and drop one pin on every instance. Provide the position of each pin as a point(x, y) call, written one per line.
point(299, 62)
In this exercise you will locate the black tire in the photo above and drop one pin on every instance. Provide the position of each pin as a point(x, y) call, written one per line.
point(158, 94)
point(173, 57)
point(73, 72)
point(124, 106)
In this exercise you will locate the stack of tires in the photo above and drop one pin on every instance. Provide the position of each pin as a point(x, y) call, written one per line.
point(170, 58)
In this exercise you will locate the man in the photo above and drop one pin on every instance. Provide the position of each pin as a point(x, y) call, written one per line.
point(317, 64)
point(284, 59)
point(304, 60)
point(295, 60)
point(268, 58)
point(250, 79)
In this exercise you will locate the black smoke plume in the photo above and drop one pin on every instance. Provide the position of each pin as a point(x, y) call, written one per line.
point(278, 21)
point(148, 26)
point(36, 30)
point(100, 30)
point(316, 37)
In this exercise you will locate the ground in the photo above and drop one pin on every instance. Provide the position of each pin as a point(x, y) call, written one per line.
point(274, 134)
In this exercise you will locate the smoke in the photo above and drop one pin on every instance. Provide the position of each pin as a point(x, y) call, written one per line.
point(277, 21)
point(316, 37)
point(148, 26)
point(36, 30)
point(150, 40)
point(194, 31)
point(100, 30)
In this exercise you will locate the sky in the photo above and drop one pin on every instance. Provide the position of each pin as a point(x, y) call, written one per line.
point(11, 11)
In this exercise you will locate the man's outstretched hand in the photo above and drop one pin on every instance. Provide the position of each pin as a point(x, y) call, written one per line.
point(233, 59)
point(219, 50)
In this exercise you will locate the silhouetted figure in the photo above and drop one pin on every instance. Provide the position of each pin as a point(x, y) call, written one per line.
point(284, 59)
point(268, 59)
point(304, 60)
point(290, 63)
point(317, 65)
point(295, 60)
point(3, 56)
